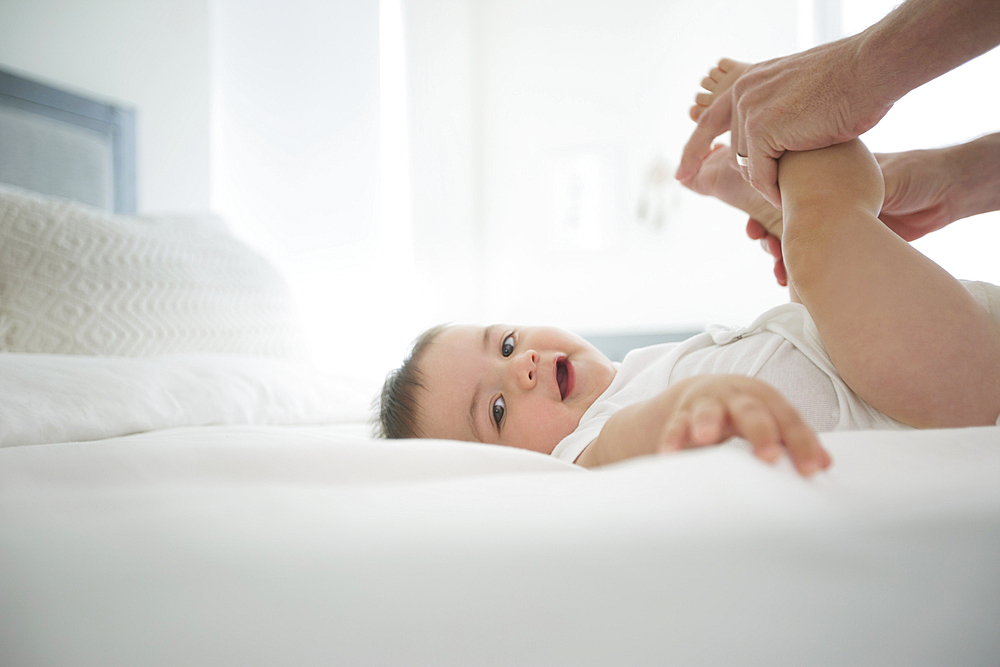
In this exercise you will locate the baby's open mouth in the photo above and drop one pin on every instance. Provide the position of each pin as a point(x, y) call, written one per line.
point(563, 377)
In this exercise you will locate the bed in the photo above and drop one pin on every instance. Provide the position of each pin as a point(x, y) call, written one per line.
point(179, 486)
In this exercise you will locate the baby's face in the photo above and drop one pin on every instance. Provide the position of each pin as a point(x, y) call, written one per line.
point(523, 387)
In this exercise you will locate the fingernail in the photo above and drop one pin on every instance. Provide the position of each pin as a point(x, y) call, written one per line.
point(770, 452)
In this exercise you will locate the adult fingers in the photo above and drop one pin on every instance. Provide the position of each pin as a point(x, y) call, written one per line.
point(781, 273)
point(762, 172)
point(738, 135)
point(768, 241)
point(755, 230)
point(771, 245)
point(912, 226)
point(713, 122)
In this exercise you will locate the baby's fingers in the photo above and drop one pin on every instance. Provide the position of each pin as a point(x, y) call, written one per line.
point(771, 424)
point(708, 422)
point(754, 422)
point(704, 423)
point(803, 447)
point(676, 434)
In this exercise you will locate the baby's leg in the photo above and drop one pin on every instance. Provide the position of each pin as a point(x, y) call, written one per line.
point(902, 332)
point(718, 175)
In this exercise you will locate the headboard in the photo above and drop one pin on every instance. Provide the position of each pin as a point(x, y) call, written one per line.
point(59, 143)
point(616, 346)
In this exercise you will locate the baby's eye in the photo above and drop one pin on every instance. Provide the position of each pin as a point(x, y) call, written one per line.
point(499, 408)
point(507, 347)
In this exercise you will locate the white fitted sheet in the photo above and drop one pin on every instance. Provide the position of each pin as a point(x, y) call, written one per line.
point(254, 545)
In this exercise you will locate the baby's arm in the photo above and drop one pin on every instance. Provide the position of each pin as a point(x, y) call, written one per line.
point(903, 333)
point(706, 410)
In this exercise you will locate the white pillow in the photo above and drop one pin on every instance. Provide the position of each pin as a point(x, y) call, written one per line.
point(48, 398)
point(77, 280)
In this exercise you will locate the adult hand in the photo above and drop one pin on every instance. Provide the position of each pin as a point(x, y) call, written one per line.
point(916, 187)
point(772, 245)
point(801, 102)
point(837, 91)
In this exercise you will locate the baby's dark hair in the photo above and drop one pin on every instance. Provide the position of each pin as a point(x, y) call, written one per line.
point(399, 402)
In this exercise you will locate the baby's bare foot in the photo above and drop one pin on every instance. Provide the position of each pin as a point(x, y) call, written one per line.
point(718, 81)
point(718, 177)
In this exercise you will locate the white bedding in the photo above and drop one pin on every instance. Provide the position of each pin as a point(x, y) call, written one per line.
point(63, 398)
point(251, 543)
point(78, 280)
point(184, 508)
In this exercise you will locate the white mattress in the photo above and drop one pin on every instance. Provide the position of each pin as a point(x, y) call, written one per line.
point(276, 542)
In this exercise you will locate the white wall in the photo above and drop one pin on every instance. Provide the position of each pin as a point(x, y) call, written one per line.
point(150, 55)
point(295, 129)
point(518, 98)
point(442, 96)
point(295, 146)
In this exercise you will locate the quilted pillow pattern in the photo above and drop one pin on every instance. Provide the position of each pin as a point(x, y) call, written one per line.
point(77, 280)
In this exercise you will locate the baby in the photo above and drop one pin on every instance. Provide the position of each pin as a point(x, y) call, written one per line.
point(880, 337)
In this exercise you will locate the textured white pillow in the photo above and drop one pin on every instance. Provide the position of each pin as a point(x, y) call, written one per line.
point(77, 280)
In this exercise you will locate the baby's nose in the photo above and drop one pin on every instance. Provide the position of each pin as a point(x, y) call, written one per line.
point(526, 369)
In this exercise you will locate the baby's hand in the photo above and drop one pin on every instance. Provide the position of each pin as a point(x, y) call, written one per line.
point(708, 409)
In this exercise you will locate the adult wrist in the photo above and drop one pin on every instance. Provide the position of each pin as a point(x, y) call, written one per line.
point(921, 39)
point(975, 171)
point(877, 67)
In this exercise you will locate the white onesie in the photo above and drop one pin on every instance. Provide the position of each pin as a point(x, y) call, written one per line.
point(782, 347)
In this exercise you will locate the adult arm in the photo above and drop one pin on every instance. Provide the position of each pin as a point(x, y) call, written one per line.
point(837, 91)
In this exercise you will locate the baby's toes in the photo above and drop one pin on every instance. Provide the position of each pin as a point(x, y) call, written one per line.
point(728, 65)
point(704, 99)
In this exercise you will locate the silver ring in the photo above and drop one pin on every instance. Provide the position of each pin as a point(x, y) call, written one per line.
point(742, 160)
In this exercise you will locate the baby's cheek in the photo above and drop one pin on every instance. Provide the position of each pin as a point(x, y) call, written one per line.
point(554, 424)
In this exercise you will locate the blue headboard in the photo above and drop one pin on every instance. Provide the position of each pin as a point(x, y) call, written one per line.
point(60, 143)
